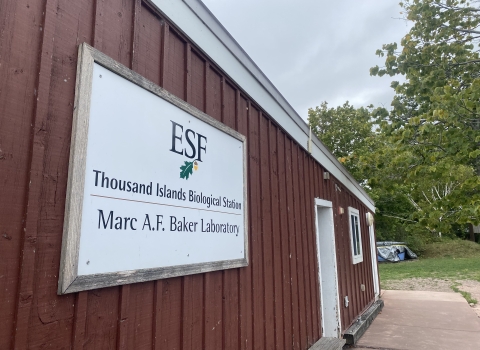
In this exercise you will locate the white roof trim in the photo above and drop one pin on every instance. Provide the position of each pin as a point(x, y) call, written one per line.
point(201, 26)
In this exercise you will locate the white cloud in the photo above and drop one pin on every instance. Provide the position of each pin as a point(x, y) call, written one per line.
point(316, 51)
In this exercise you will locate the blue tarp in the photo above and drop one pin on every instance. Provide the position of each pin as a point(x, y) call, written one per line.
point(394, 251)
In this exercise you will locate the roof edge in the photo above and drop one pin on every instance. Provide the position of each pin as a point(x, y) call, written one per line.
point(208, 19)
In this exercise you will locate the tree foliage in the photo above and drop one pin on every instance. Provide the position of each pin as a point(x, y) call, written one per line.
point(434, 124)
point(343, 129)
point(422, 166)
point(347, 131)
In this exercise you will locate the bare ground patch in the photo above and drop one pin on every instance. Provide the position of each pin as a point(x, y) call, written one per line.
point(416, 283)
point(472, 287)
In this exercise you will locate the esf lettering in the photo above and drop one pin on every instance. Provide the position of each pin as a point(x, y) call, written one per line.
point(111, 221)
point(197, 143)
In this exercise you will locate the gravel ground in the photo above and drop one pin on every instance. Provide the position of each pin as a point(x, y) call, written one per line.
point(429, 284)
point(437, 285)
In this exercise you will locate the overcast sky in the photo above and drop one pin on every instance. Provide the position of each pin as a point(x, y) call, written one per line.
point(317, 50)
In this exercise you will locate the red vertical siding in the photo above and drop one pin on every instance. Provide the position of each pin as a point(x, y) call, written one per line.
point(175, 72)
point(266, 232)
point(255, 227)
point(351, 276)
point(148, 49)
point(101, 319)
point(271, 304)
point(167, 313)
point(213, 310)
point(295, 309)
point(230, 316)
point(245, 285)
point(277, 239)
point(193, 312)
point(19, 72)
point(113, 29)
point(230, 105)
point(305, 204)
point(214, 94)
point(311, 256)
point(284, 241)
point(299, 220)
point(197, 81)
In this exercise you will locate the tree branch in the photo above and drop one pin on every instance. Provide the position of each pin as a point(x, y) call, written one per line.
point(464, 30)
point(457, 8)
point(397, 217)
point(467, 62)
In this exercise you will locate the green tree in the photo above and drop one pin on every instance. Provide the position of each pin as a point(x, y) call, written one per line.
point(347, 131)
point(434, 124)
point(343, 129)
point(352, 136)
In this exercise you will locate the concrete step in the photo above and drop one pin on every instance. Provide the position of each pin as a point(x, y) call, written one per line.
point(327, 343)
point(356, 330)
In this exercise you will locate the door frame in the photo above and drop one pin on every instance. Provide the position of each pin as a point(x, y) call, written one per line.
point(373, 248)
point(327, 269)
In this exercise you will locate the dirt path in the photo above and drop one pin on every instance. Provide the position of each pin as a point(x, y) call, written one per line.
point(437, 285)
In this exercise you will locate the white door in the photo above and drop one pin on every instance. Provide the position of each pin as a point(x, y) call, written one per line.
point(327, 263)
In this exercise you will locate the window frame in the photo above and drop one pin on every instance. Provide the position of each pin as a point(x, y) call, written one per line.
point(358, 257)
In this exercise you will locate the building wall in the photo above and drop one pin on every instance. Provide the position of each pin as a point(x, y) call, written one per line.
point(271, 304)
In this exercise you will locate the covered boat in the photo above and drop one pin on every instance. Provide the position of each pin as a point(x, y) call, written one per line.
point(394, 251)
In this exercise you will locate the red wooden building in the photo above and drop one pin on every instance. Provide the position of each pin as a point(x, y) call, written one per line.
point(312, 262)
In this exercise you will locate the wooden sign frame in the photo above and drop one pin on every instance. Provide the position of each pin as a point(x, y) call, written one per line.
point(69, 280)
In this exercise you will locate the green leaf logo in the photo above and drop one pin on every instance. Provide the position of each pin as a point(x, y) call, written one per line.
point(186, 170)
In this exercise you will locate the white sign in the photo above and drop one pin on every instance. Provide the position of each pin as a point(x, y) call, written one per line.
point(156, 188)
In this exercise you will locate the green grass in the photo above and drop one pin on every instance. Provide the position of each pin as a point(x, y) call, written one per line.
point(452, 249)
point(466, 295)
point(439, 268)
point(449, 260)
